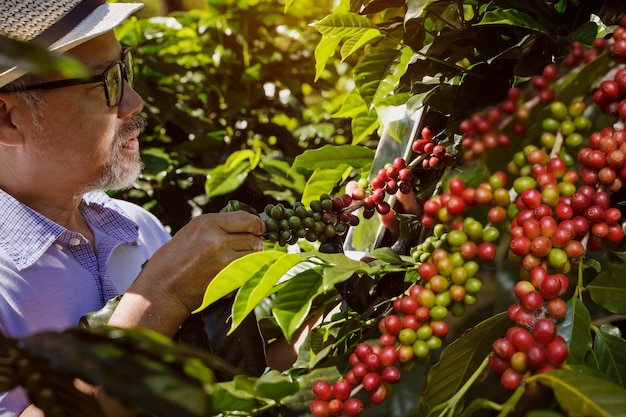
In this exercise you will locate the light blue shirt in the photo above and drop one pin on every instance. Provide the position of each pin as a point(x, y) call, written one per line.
point(50, 276)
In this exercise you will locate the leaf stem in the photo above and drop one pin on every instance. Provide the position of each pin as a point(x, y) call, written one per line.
point(451, 404)
point(510, 404)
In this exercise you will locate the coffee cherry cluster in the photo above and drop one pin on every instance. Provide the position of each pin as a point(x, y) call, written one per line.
point(326, 218)
point(430, 153)
point(393, 178)
point(568, 122)
point(525, 351)
point(611, 93)
point(604, 160)
point(557, 207)
point(413, 328)
point(489, 130)
point(617, 49)
point(483, 131)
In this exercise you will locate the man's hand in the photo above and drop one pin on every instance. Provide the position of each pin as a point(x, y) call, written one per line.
point(173, 282)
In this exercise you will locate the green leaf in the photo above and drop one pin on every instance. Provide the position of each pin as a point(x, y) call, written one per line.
point(377, 74)
point(576, 329)
point(343, 269)
point(609, 288)
point(461, 359)
point(226, 396)
point(323, 181)
point(352, 105)
point(36, 59)
point(330, 156)
point(155, 160)
point(511, 17)
point(387, 255)
point(610, 352)
point(223, 180)
point(236, 274)
point(343, 25)
point(293, 301)
point(275, 385)
point(324, 50)
point(576, 82)
point(583, 395)
point(354, 43)
point(260, 286)
point(363, 125)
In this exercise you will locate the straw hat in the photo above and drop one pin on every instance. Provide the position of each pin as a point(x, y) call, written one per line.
point(59, 25)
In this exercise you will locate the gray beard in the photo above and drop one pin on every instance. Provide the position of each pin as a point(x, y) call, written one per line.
point(120, 172)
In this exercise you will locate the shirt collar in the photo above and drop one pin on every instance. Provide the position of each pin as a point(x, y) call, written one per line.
point(26, 235)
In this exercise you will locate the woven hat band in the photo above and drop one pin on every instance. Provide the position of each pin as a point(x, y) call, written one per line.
point(68, 22)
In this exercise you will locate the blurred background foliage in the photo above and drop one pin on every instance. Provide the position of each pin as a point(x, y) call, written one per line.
point(231, 99)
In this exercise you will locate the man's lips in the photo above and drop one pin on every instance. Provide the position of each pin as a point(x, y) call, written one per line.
point(131, 143)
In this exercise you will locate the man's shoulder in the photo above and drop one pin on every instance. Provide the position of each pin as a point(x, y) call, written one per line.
point(145, 221)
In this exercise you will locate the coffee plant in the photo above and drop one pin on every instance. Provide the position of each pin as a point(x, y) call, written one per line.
point(550, 213)
point(495, 286)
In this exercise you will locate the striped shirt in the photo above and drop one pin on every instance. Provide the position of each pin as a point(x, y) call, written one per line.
point(51, 276)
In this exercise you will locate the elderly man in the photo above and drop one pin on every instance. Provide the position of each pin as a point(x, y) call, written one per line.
point(65, 246)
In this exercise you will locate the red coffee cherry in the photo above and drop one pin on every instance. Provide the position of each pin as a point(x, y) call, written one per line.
point(557, 352)
point(342, 389)
point(388, 356)
point(390, 375)
point(335, 407)
point(497, 365)
point(544, 331)
point(371, 381)
point(353, 407)
point(319, 408)
point(503, 348)
point(537, 356)
point(379, 396)
point(322, 390)
point(521, 338)
point(511, 379)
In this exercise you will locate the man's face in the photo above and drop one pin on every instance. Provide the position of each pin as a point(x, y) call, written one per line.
point(88, 145)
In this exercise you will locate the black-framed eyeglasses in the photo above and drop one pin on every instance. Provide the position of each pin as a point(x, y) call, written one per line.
point(112, 78)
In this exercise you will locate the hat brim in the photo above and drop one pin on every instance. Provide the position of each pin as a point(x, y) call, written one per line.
point(103, 19)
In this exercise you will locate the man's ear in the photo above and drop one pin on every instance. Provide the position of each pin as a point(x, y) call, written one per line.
point(10, 133)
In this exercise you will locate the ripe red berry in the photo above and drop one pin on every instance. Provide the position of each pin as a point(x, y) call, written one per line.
point(537, 356)
point(550, 287)
point(322, 390)
point(497, 365)
point(391, 375)
point(342, 389)
point(373, 362)
point(319, 408)
point(363, 350)
point(557, 308)
point(353, 407)
point(379, 396)
point(557, 352)
point(457, 185)
point(522, 339)
point(544, 331)
point(503, 348)
point(335, 407)
point(511, 379)
point(393, 324)
point(486, 251)
point(533, 300)
point(455, 205)
point(371, 381)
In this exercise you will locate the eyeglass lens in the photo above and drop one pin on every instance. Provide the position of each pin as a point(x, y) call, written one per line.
point(115, 78)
